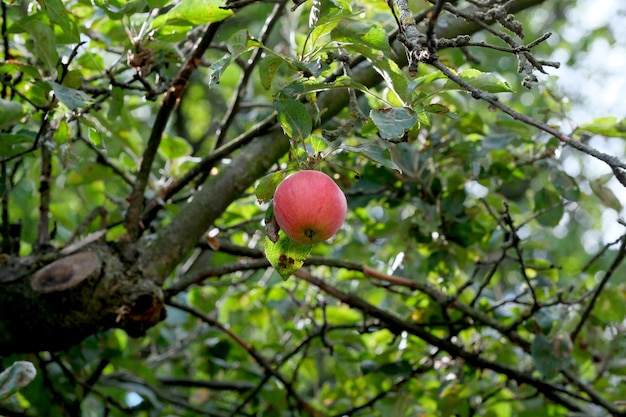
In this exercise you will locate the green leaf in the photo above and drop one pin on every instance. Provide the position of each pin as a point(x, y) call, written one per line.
point(605, 126)
point(361, 33)
point(11, 144)
point(173, 147)
point(606, 195)
point(44, 44)
point(58, 15)
point(286, 256)
point(393, 122)
point(393, 75)
point(264, 190)
point(73, 79)
point(10, 113)
point(294, 118)
point(217, 69)
point(16, 377)
point(194, 12)
point(402, 368)
point(610, 306)
point(551, 355)
point(268, 67)
point(88, 173)
point(327, 23)
point(486, 81)
point(565, 185)
point(240, 42)
point(547, 199)
point(116, 103)
point(374, 153)
point(71, 97)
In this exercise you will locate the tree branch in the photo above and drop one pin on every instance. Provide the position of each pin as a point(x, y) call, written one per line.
point(256, 355)
point(619, 258)
point(397, 325)
point(170, 101)
point(477, 93)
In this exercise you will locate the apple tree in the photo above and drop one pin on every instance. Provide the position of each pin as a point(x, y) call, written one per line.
point(478, 271)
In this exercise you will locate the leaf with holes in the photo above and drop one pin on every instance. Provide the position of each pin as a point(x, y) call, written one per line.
point(286, 255)
point(71, 97)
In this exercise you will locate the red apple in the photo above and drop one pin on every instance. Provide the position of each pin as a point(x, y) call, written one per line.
point(309, 207)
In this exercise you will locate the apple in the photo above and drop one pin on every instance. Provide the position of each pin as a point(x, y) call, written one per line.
point(309, 207)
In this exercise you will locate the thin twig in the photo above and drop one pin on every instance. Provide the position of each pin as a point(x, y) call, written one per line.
point(477, 93)
point(256, 355)
point(619, 257)
point(242, 85)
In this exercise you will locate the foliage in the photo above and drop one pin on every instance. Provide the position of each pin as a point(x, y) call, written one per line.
point(470, 278)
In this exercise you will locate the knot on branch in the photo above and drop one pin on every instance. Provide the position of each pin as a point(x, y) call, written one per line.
point(146, 311)
point(66, 273)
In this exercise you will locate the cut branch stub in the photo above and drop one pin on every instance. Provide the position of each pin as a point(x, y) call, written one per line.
point(66, 272)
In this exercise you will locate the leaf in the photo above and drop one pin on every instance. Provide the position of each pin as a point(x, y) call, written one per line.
point(294, 118)
point(71, 97)
point(16, 377)
point(194, 12)
point(286, 256)
point(58, 15)
point(268, 67)
point(605, 126)
point(217, 69)
point(547, 199)
point(393, 75)
point(44, 44)
point(116, 103)
point(11, 144)
point(393, 122)
point(172, 147)
point(88, 173)
point(565, 185)
point(402, 368)
point(326, 23)
point(10, 113)
point(606, 195)
point(551, 355)
point(264, 190)
point(240, 42)
point(361, 33)
point(374, 153)
point(486, 81)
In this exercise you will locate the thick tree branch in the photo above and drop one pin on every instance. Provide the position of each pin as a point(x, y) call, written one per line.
point(170, 101)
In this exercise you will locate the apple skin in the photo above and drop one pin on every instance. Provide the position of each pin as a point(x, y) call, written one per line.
point(309, 207)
